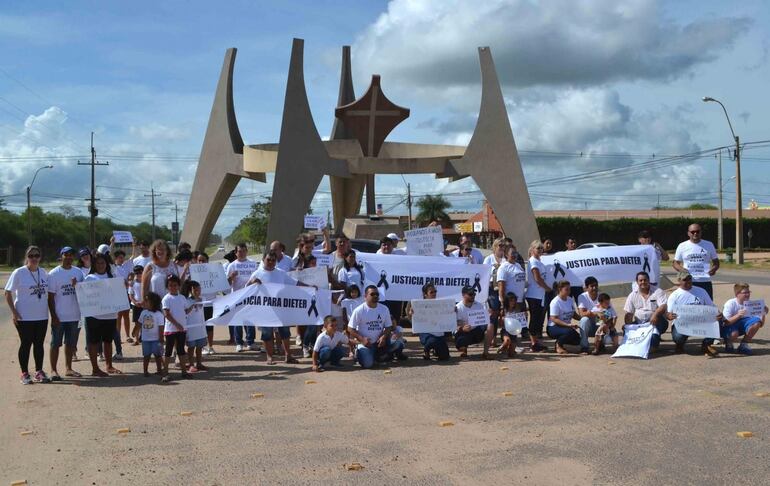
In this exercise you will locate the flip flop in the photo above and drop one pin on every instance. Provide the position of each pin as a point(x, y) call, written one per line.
point(270, 362)
point(73, 374)
point(114, 371)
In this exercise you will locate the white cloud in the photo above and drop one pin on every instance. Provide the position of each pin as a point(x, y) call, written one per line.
point(154, 131)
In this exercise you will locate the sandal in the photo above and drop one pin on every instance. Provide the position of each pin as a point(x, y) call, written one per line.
point(99, 372)
point(114, 371)
point(560, 350)
point(270, 361)
point(290, 360)
point(73, 374)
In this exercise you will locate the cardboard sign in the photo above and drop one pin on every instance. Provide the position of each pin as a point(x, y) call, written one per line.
point(123, 237)
point(478, 317)
point(427, 241)
point(211, 276)
point(316, 222)
point(323, 259)
point(100, 297)
point(755, 308)
point(433, 316)
point(313, 276)
point(697, 320)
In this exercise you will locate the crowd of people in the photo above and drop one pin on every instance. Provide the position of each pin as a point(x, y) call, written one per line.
point(169, 312)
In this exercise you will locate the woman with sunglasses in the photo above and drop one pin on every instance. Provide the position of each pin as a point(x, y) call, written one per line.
point(431, 341)
point(536, 293)
point(26, 293)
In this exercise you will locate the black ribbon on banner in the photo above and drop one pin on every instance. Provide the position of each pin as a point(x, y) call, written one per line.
point(557, 269)
point(477, 283)
point(383, 280)
point(227, 309)
point(312, 307)
point(646, 266)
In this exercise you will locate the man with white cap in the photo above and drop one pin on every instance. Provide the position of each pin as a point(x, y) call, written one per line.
point(388, 246)
point(65, 313)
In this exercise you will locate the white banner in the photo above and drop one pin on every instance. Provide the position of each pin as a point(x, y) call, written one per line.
point(433, 315)
point(755, 308)
point(636, 341)
point(123, 237)
point(404, 281)
point(98, 297)
point(272, 305)
point(696, 320)
point(428, 241)
point(315, 222)
point(609, 264)
point(318, 276)
point(362, 257)
point(323, 259)
point(211, 276)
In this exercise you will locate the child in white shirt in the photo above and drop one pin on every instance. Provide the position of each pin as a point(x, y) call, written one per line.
point(151, 320)
point(606, 318)
point(329, 345)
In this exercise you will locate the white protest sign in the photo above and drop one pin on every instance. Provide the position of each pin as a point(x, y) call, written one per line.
point(427, 241)
point(433, 315)
point(608, 264)
point(318, 276)
point(478, 317)
point(636, 341)
point(316, 222)
point(696, 320)
point(514, 323)
point(362, 257)
point(755, 308)
point(211, 276)
point(401, 280)
point(323, 259)
point(123, 237)
point(272, 305)
point(478, 226)
point(98, 297)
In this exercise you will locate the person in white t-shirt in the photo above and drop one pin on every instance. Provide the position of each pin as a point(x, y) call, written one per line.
point(195, 325)
point(432, 342)
point(238, 273)
point(535, 293)
point(606, 319)
point(101, 328)
point(174, 306)
point(642, 303)
point(472, 323)
point(123, 268)
point(144, 256)
point(152, 321)
point(284, 261)
point(370, 326)
point(65, 313)
point(686, 294)
point(475, 254)
point(351, 273)
point(388, 248)
point(24, 292)
point(329, 346)
point(585, 302)
point(738, 322)
point(268, 273)
point(699, 258)
point(562, 312)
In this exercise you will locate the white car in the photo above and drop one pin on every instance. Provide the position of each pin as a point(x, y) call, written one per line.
point(594, 245)
point(221, 248)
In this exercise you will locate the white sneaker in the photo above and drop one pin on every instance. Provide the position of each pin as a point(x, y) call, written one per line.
point(238, 348)
point(117, 356)
point(298, 341)
point(205, 351)
point(305, 352)
point(101, 357)
point(254, 347)
point(211, 350)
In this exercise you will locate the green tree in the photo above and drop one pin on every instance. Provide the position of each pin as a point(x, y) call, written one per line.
point(701, 206)
point(253, 228)
point(432, 208)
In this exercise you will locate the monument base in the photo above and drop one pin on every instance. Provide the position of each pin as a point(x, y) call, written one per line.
point(371, 229)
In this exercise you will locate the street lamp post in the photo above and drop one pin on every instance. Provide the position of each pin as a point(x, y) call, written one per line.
point(738, 192)
point(29, 204)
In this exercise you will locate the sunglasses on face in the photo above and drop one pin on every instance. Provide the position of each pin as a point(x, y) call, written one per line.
point(374, 294)
point(695, 232)
point(33, 255)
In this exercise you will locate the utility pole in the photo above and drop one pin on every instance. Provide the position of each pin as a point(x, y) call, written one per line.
point(175, 227)
point(92, 206)
point(720, 222)
point(409, 202)
point(738, 204)
point(152, 195)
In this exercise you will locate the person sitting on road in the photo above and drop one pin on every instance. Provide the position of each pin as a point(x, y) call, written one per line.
point(642, 303)
point(587, 301)
point(329, 345)
point(370, 325)
point(469, 332)
point(560, 325)
point(738, 322)
point(434, 342)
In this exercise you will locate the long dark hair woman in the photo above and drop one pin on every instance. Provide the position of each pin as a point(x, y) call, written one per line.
point(101, 328)
point(26, 293)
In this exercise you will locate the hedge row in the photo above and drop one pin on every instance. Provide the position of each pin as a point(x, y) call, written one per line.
point(669, 232)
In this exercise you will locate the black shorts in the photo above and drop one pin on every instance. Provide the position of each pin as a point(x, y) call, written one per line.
point(178, 340)
point(135, 313)
point(100, 330)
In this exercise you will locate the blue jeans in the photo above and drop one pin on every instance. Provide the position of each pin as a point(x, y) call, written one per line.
point(66, 332)
point(437, 344)
point(251, 334)
point(326, 355)
point(395, 348)
point(588, 329)
point(681, 338)
point(474, 336)
point(662, 326)
point(366, 355)
point(311, 334)
point(116, 339)
point(563, 335)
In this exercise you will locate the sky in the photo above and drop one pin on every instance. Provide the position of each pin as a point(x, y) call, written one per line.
point(604, 97)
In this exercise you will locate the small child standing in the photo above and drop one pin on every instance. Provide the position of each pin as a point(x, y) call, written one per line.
point(511, 307)
point(174, 305)
point(329, 345)
point(152, 321)
point(196, 324)
point(605, 320)
point(135, 298)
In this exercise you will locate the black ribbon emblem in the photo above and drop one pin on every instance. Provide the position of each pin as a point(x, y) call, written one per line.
point(477, 283)
point(646, 266)
point(383, 280)
point(227, 309)
point(557, 269)
point(312, 307)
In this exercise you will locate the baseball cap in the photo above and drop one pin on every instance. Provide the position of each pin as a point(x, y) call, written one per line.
point(103, 249)
point(84, 251)
point(393, 236)
point(66, 249)
point(469, 290)
point(683, 275)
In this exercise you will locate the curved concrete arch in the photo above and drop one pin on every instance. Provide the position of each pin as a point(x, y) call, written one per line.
point(220, 165)
point(492, 160)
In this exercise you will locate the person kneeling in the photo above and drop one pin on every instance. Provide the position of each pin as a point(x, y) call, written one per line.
point(329, 345)
point(370, 324)
point(472, 323)
point(738, 322)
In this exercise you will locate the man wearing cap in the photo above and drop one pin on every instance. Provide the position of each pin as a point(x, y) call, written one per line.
point(686, 294)
point(388, 246)
point(476, 255)
point(65, 313)
point(470, 329)
point(699, 258)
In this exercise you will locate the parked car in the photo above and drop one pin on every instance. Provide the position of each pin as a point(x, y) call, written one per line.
point(594, 245)
point(366, 246)
point(221, 248)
